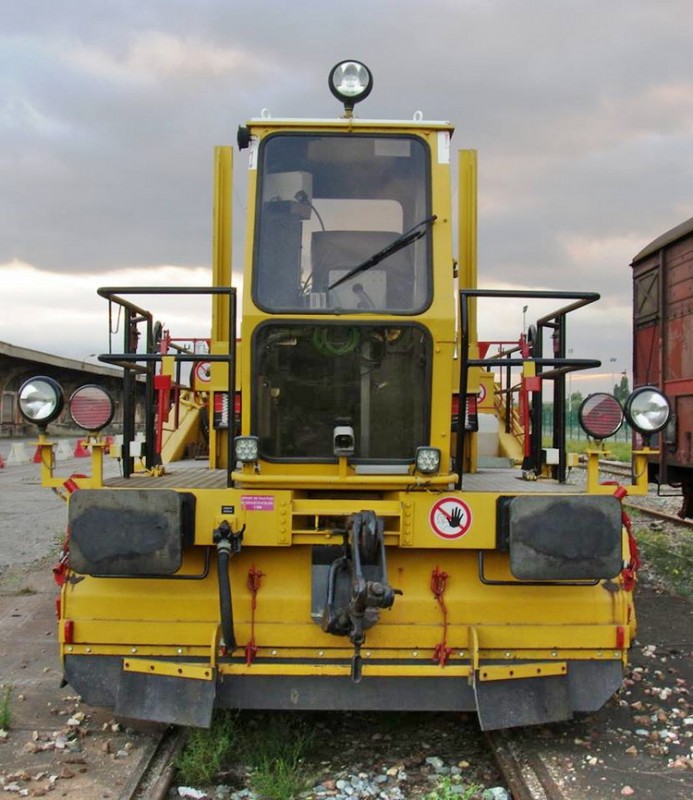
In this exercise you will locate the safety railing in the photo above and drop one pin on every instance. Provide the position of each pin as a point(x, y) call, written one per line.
point(553, 368)
point(144, 364)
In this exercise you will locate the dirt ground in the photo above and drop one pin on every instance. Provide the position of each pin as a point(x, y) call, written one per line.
point(53, 743)
point(638, 746)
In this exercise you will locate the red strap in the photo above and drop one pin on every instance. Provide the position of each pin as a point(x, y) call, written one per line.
point(255, 577)
point(442, 652)
point(629, 572)
point(61, 569)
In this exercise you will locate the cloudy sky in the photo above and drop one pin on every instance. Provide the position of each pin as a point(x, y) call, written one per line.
point(582, 112)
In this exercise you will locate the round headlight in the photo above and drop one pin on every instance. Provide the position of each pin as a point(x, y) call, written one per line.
point(41, 400)
point(350, 82)
point(600, 415)
point(647, 410)
point(91, 407)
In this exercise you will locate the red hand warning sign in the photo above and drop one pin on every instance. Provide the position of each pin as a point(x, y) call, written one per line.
point(450, 518)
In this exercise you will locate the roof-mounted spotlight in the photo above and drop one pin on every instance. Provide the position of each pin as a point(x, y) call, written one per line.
point(350, 82)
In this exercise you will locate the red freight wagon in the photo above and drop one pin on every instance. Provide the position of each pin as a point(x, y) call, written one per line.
point(663, 348)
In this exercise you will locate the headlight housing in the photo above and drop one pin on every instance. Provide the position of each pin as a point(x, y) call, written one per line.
point(41, 400)
point(91, 407)
point(427, 460)
point(647, 410)
point(246, 449)
point(600, 415)
point(350, 82)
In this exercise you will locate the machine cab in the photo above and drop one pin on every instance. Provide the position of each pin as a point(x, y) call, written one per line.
point(340, 275)
point(340, 244)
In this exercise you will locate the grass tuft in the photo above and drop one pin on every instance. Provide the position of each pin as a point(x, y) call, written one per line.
point(206, 749)
point(451, 789)
point(6, 706)
point(275, 750)
point(668, 556)
point(272, 747)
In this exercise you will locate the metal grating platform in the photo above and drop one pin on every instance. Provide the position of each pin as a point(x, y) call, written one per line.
point(510, 481)
point(176, 477)
point(182, 475)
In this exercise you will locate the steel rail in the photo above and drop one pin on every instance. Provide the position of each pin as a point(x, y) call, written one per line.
point(153, 775)
point(526, 775)
point(651, 512)
point(621, 469)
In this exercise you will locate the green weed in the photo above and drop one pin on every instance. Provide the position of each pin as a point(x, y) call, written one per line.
point(275, 750)
point(205, 750)
point(669, 557)
point(451, 789)
point(271, 746)
point(6, 706)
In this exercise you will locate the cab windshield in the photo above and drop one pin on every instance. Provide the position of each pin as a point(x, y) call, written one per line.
point(313, 379)
point(343, 224)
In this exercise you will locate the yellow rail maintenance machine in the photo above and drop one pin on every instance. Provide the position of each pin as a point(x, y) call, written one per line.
point(377, 523)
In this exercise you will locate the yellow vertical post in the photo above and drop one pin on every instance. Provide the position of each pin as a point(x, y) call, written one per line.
point(467, 250)
point(97, 443)
point(467, 247)
point(221, 266)
point(45, 448)
point(221, 241)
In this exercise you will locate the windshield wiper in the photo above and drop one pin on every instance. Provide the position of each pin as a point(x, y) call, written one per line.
point(400, 242)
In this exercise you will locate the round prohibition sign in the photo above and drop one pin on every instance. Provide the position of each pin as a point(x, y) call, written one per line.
point(203, 371)
point(450, 518)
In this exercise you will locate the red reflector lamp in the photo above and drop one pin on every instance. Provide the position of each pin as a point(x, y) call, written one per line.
point(471, 418)
point(91, 407)
point(600, 415)
point(221, 410)
point(471, 421)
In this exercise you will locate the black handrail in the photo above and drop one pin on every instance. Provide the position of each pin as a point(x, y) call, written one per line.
point(562, 365)
point(131, 362)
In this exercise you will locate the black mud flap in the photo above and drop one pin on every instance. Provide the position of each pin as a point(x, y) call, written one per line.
point(163, 698)
point(522, 701)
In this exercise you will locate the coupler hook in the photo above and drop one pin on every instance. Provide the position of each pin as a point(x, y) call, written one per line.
point(357, 584)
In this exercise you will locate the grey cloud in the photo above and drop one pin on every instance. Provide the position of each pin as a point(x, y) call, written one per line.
point(110, 166)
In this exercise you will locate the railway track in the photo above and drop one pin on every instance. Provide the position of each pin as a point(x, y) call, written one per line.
point(644, 505)
point(525, 773)
point(152, 776)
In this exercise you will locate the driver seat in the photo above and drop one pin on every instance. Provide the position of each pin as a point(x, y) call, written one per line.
point(343, 250)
